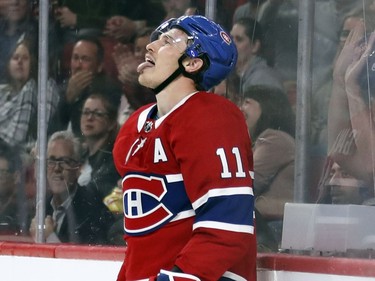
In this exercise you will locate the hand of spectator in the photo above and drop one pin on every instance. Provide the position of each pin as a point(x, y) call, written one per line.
point(120, 27)
point(66, 17)
point(49, 227)
point(128, 73)
point(126, 64)
point(354, 75)
point(77, 83)
point(347, 54)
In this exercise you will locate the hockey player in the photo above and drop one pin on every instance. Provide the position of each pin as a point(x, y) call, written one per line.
point(186, 163)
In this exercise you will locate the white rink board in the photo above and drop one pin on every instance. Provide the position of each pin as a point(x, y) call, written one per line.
point(266, 275)
point(13, 268)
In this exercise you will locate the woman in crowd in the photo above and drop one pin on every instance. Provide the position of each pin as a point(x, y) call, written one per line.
point(99, 129)
point(270, 120)
point(18, 97)
point(16, 22)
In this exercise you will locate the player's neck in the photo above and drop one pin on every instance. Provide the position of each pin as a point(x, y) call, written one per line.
point(172, 95)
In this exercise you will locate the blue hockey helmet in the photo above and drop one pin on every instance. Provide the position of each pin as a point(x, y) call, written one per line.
point(209, 41)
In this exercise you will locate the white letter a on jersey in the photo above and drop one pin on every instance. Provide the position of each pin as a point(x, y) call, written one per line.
point(159, 154)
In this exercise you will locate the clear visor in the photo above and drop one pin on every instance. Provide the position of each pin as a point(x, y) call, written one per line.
point(181, 42)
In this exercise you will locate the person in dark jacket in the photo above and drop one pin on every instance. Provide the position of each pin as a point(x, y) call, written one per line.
point(75, 213)
point(13, 209)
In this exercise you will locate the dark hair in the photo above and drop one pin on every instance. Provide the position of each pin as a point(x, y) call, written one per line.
point(253, 29)
point(94, 40)
point(111, 103)
point(277, 112)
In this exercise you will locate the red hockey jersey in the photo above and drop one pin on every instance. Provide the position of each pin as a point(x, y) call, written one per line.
point(187, 191)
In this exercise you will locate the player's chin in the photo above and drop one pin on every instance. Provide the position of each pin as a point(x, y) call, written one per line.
point(145, 81)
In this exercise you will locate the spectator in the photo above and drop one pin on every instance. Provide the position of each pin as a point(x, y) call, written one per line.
point(274, 16)
point(326, 104)
point(320, 100)
point(251, 66)
point(17, 24)
point(270, 120)
point(131, 16)
point(340, 187)
point(82, 18)
point(99, 129)
point(248, 10)
point(279, 21)
point(328, 21)
point(350, 126)
point(127, 61)
point(18, 98)
point(74, 213)
point(175, 8)
point(87, 76)
point(13, 210)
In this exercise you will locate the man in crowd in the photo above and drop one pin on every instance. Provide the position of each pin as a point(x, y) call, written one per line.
point(75, 214)
point(87, 76)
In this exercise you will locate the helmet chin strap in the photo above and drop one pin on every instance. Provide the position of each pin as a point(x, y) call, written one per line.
point(180, 70)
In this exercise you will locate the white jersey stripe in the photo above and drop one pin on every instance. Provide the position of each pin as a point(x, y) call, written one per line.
point(225, 226)
point(222, 192)
point(184, 215)
point(233, 276)
point(174, 178)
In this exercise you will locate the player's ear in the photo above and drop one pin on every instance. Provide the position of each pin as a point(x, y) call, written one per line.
point(192, 64)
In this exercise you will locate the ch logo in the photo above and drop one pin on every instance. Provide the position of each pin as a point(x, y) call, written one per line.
point(143, 209)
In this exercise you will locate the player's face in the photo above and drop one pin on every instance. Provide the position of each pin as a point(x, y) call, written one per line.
point(95, 122)
point(62, 167)
point(252, 111)
point(85, 57)
point(162, 58)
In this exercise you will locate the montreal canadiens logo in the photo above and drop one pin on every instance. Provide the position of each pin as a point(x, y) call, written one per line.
point(143, 209)
point(226, 37)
